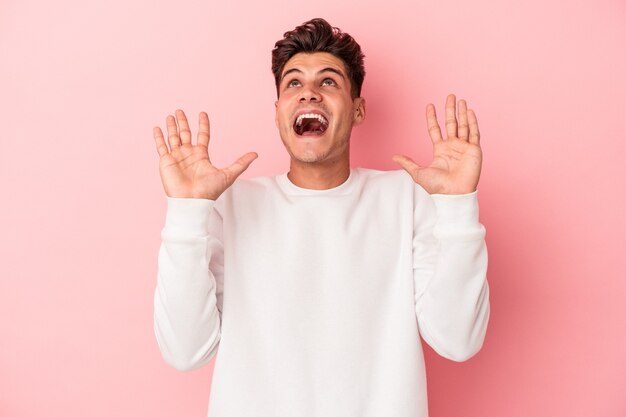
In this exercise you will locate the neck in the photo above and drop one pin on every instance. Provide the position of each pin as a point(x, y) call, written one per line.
point(319, 176)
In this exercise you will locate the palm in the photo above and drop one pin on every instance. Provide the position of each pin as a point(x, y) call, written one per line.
point(186, 170)
point(457, 160)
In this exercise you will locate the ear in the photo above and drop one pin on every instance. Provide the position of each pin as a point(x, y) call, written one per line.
point(359, 111)
point(276, 115)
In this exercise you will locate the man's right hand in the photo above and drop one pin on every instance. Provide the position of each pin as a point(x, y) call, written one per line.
point(186, 170)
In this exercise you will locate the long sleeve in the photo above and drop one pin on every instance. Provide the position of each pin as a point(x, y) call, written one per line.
point(450, 268)
point(188, 295)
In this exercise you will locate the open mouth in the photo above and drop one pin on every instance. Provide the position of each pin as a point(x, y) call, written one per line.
point(310, 124)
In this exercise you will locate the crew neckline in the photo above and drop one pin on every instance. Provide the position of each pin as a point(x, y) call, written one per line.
point(290, 188)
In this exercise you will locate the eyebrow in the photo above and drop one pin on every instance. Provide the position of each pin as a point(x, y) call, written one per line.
point(327, 69)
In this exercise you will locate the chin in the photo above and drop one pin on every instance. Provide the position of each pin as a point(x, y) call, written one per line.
point(309, 157)
point(319, 156)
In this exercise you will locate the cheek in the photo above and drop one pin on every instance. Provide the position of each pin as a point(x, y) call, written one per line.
point(280, 117)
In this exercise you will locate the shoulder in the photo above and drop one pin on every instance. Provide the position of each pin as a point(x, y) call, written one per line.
point(252, 184)
point(247, 191)
point(394, 185)
point(391, 180)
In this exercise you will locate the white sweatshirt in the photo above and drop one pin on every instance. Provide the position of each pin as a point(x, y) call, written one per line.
point(317, 298)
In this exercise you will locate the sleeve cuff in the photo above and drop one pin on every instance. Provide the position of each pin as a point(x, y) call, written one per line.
point(456, 209)
point(188, 215)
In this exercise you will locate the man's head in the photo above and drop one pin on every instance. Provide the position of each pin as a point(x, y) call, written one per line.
point(319, 73)
point(317, 35)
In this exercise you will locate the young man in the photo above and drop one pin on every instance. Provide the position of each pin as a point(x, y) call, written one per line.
point(317, 284)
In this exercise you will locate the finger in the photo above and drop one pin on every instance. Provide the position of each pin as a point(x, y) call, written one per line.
point(239, 166)
point(172, 132)
point(204, 130)
point(433, 126)
point(159, 140)
point(407, 164)
point(451, 126)
point(463, 126)
point(474, 133)
point(183, 127)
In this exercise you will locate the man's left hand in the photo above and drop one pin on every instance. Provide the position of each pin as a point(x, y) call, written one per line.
point(455, 168)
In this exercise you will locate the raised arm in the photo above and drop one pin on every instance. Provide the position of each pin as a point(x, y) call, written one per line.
point(450, 255)
point(450, 274)
point(188, 296)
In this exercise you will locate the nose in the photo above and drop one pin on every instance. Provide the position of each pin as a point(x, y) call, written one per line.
point(309, 93)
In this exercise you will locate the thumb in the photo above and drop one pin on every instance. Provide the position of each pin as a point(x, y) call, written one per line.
point(239, 166)
point(407, 164)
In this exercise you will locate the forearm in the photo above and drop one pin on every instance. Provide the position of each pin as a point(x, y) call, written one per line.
point(186, 315)
point(453, 308)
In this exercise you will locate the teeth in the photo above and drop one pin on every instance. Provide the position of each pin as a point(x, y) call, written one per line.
point(319, 117)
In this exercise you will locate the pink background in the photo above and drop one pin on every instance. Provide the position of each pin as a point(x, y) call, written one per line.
point(83, 83)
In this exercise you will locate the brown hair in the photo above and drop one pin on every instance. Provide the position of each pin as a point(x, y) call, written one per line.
point(317, 35)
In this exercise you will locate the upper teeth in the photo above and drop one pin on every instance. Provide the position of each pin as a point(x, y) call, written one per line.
point(319, 117)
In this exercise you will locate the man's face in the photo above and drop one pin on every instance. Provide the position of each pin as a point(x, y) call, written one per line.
point(315, 111)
